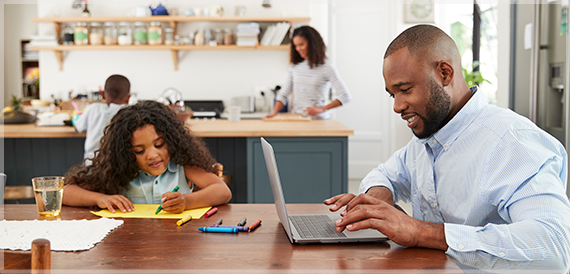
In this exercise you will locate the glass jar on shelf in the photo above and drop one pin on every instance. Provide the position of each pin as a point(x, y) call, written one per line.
point(154, 33)
point(96, 34)
point(228, 37)
point(110, 37)
point(67, 35)
point(169, 36)
point(140, 35)
point(81, 34)
point(219, 36)
point(125, 36)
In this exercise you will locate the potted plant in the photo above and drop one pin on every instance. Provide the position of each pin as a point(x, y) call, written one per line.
point(13, 114)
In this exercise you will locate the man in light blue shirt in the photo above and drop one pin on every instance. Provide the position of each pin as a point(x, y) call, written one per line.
point(487, 186)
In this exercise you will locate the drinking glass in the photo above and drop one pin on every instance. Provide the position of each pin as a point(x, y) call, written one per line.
point(49, 192)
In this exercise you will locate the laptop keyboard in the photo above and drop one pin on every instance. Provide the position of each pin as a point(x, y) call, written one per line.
point(315, 226)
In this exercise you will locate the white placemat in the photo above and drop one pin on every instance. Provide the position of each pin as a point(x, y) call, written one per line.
point(74, 235)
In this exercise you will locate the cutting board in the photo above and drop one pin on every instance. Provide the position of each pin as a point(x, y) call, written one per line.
point(288, 117)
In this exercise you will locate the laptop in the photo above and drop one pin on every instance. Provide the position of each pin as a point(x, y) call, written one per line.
point(310, 228)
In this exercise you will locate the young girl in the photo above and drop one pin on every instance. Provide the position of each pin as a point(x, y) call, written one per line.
point(310, 77)
point(146, 151)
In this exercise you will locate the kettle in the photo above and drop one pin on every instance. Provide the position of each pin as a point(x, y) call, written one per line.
point(159, 10)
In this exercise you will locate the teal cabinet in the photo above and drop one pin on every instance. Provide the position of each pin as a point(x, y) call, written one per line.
point(311, 169)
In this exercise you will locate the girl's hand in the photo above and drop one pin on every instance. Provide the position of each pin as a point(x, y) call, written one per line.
point(119, 202)
point(173, 202)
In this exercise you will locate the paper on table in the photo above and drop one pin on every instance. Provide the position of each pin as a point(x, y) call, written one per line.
point(71, 235)
point(147, 211)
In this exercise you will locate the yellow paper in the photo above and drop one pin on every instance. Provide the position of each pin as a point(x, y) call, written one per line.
point(147, 211)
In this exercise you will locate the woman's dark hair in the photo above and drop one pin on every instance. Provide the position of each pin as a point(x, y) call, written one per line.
point(316, 49)
point(114, 165)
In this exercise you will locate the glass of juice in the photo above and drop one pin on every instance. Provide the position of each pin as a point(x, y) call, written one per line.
point(49, 192)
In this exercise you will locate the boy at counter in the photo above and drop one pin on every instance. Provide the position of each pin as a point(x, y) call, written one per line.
point(98, 115)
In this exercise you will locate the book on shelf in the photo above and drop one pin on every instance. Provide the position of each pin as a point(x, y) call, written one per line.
point(275, 34)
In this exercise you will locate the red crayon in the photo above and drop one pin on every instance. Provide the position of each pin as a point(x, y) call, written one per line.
point(211, 212)
point(254, 225)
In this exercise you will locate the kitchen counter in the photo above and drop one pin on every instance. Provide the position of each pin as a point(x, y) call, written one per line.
point(312, 155)
point(207, 128)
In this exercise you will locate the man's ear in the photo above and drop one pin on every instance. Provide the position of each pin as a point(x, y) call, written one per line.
point(103, 95)
point(445, 71)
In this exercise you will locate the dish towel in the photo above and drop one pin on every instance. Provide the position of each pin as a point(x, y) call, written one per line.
point(74, 235)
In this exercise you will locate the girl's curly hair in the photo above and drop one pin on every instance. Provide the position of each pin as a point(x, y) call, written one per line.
point(114, 165)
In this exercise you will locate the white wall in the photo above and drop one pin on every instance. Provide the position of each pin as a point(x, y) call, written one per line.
point(16, 29)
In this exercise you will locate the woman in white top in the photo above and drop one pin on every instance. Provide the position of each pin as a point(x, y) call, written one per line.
point(310, 77)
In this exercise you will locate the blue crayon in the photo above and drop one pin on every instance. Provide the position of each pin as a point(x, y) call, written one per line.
point(218, 229)
point(239, 228)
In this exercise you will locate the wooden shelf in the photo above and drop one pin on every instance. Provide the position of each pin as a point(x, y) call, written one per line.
point(158, 47)
point(172, 20)
point(169, 19)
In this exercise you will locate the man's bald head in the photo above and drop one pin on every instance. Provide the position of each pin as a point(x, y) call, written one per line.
point(428, 43)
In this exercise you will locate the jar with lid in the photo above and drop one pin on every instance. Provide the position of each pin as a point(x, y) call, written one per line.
point(140, 35)
point(199, 38)
point(96, 34)
point(219, 36)
point(154, 33)
point(67, 35)
point(168, 36)
point(110, 37)
point(81, 34)
point(228, 37)
point(125, 34)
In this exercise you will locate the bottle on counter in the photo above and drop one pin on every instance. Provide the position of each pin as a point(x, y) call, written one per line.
point(125, 34)
point(154, 33)
point(96, 34)
point(110, 37)
point(140, 35)
point(81, 34)
point(67, 35)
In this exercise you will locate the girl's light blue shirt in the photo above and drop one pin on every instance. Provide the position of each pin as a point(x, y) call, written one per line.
point(148, 189)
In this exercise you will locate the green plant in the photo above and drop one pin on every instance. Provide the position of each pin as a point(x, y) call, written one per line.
point(16, 103)
point(474, 78)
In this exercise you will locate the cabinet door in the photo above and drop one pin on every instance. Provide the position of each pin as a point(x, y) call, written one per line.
point(311, 169)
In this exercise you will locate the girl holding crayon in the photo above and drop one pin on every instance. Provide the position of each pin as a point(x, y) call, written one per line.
point(146, 152)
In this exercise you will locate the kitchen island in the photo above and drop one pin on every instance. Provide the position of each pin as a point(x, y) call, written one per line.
point(312, 156)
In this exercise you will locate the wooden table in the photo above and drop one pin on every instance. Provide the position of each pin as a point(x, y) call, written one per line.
point(159, 244)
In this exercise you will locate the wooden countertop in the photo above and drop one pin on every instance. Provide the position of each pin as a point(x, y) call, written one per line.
point(206, 128)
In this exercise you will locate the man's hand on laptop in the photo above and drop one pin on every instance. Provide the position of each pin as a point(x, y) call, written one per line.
point(338, 201)
point(366, 211)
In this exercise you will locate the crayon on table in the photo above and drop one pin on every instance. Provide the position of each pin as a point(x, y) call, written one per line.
point(218, 229)
point(184, 220)
point(242, 222)
point(254, 225)
point(211, 212)
point(239, 228)
point(219, 221)
point(160, 206)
